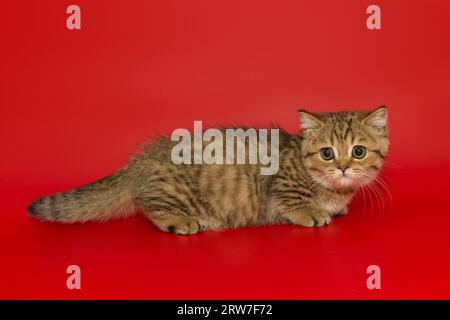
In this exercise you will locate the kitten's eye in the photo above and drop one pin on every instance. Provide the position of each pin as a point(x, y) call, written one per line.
point(359, 152)
point(327, 154)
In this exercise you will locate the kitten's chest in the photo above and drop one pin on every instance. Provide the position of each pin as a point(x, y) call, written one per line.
point(334, 203)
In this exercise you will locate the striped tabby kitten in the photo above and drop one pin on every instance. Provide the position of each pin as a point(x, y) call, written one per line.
point(319, 173)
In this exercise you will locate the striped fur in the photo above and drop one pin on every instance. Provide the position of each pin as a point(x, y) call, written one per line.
point(187, 199)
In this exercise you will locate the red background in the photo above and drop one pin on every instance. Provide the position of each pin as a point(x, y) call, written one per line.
point(75, 104)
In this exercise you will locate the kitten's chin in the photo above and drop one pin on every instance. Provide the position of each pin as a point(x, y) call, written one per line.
point(343, 184)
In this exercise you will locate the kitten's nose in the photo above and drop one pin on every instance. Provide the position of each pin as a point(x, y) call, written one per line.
point(343, 168)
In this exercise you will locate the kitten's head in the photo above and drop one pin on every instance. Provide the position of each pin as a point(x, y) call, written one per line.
point(345, 150)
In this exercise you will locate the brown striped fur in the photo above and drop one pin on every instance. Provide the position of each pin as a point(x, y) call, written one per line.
point(187, 199)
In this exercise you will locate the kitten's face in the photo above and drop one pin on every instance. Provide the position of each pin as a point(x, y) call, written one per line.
point(344, 151)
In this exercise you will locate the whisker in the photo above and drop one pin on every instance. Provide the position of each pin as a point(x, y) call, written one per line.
point(373, 186)
point(363, 194)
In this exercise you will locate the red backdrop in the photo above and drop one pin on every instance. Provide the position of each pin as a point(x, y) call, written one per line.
point(74, 105)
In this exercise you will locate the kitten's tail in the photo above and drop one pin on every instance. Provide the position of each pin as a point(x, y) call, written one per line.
point(108, 198)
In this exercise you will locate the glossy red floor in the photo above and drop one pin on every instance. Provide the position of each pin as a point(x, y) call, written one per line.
point(75, 104)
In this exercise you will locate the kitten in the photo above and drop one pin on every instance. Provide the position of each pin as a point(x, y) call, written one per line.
point(319, 173)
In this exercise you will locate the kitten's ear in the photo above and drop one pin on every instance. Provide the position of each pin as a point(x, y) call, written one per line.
point(377, 118)
point(309, 121)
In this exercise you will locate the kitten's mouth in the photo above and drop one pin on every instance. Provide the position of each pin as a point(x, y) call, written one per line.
point(342, 183)
point(348, 181)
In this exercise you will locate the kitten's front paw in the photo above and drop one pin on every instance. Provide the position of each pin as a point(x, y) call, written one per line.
point(309, 217)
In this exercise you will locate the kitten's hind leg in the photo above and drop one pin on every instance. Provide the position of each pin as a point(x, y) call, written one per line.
point(178, 224)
